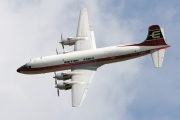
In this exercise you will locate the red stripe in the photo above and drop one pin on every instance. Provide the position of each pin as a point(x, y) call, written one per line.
point(142, 45)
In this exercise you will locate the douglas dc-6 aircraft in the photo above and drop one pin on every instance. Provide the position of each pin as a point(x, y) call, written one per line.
point(86, 58)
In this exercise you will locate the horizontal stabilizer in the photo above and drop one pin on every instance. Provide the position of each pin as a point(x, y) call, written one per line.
point(157, 57)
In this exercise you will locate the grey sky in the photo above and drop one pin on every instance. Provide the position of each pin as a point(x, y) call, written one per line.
point(130, 90)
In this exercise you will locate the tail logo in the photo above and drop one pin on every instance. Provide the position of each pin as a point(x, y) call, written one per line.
point(155, 34)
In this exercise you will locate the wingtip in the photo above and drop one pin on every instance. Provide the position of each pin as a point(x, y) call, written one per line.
point(84, 9)
point(75, 105)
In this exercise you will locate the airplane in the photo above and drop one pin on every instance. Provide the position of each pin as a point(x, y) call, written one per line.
point(86, 58)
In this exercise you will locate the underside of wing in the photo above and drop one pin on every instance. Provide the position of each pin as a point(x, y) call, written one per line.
point(85, 29)
point(83, 81)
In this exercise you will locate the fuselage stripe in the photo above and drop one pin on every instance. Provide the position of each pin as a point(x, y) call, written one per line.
point(88, 61)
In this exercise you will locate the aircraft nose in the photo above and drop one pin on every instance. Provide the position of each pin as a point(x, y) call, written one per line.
point(18, 70)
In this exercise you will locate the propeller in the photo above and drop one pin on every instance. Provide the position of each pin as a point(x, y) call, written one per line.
point(57, 51)
point(56, 84)
point(62, 42)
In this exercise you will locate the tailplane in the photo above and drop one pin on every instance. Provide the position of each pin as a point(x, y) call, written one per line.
point(157, 57)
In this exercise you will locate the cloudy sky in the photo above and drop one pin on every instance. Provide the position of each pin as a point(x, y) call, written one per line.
point(130, 90)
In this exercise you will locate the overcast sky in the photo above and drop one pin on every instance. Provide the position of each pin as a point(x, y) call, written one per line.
point(130, 90)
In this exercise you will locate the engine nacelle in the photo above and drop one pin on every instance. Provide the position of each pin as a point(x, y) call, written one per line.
point(66, 75)
point(63, 86)
point(63, 76)
point(72, 40)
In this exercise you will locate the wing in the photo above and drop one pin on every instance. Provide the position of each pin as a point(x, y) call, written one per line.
point(83, 81)
point(85, 29)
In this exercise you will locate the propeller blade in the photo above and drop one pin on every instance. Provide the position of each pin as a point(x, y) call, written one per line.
point(57, 51)
point(56, 83)
point(62, 42)
point(55, 78)
point(62, 45)
point(58, 91)
point(61, 37)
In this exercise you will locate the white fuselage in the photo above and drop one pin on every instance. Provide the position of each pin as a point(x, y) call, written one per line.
point(91, 58)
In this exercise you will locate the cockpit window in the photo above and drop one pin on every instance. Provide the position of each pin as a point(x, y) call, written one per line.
point(27, 66)
point(24, 66)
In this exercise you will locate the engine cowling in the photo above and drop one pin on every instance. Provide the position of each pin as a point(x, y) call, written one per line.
point(63, 86)
point(66, 75)
point(63, 76)
point(72, 40)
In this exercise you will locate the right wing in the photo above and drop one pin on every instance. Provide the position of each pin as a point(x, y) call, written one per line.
point(82, 82)
point(85, 29)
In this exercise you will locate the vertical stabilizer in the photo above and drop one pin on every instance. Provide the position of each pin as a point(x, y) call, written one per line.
point(155, 36)
point(157, 57)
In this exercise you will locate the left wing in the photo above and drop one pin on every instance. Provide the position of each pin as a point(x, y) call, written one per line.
point(85, 29)
point(82, 82)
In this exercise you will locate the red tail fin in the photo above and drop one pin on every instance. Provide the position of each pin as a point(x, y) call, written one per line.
point(155, 37)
